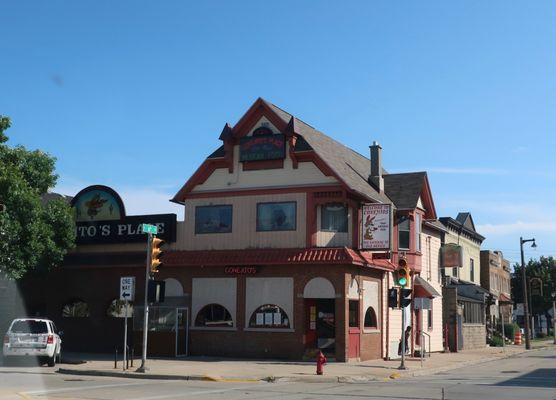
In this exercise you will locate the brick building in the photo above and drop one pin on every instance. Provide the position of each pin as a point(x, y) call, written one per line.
point(288, 245)
point(496, 278)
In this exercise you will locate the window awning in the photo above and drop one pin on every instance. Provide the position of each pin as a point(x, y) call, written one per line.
point(424, 289)
point(504, 299)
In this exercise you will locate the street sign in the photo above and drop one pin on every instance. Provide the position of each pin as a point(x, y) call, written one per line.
point(127, 288)
point(148, 228)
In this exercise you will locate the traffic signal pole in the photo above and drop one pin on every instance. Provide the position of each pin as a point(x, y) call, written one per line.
point(402, 365)
point(143, 367)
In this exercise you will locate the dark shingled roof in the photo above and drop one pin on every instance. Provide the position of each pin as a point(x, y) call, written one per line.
point(350, 166)
point(219, 152)
point(404, 189)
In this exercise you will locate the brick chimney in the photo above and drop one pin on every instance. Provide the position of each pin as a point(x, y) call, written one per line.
point(375, 178)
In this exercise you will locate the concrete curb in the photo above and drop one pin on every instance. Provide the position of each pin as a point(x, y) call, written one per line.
point(305, 378)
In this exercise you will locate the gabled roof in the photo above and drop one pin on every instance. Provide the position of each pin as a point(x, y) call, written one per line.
point(347, 165)
point(404, 189)
point(464, 224)
point(466, 220)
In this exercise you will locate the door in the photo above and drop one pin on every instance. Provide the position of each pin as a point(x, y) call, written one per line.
point(326, 325)
point(354, 332)
point(311, 324)
point(182, 331)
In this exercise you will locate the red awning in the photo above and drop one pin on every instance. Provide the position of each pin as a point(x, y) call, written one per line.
point(504, 299)
point(422, 288)
point(340, 255)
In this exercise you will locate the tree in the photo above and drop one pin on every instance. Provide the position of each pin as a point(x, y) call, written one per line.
point(34, 235)
point(543, 268)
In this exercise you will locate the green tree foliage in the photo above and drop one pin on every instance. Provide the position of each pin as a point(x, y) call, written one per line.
point(543, 268)
point(34, 235)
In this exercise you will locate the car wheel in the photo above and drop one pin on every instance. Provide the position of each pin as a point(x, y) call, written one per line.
point(51, 360)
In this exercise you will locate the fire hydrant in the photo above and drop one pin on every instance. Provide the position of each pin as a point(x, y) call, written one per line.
point(321, 360)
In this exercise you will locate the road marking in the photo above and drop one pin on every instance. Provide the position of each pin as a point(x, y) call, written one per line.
point(202, 392)
point(73, 389)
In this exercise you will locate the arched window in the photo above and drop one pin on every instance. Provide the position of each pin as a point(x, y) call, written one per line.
point(75, 309)
point(214, 315)
point(269, 316)
point(370, 318)
point(117, 308)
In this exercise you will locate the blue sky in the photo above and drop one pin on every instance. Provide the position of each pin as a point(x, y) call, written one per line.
point(134, 94)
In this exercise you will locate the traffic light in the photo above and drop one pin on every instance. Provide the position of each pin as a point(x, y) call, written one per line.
point(403, 273)
point(393, 297)
point(156, 291)
point(405, 297)
point(156, 253)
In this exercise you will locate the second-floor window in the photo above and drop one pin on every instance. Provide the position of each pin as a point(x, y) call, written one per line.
point(403, 233)
point(417, 232)
point(213, 219)
point(472, 269)
point(276, 216)
point(334, 218)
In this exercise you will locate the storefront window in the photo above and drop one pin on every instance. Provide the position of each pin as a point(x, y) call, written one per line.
point(354, 313)
point(214, 315)
point(403, 233)
point(213, 219)
point(334, 218)
point(276, 216)
point(76, 309)
point(269, 316)
point(161, 319)
point(370, 319)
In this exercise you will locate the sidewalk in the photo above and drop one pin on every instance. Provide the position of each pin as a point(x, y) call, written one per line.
point(217, 369)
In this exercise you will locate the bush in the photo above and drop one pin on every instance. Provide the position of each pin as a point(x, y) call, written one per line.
point(496, 341)
point(509, 330)
point(541, 335)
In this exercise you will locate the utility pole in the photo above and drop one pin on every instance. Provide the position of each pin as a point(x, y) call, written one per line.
point(525, 299)
point(143, 367)
point(554, 316)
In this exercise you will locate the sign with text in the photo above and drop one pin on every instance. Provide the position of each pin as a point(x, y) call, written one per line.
point(127, 230)
point(452, 255)
point(241, 270)
point(148, 228)
point(265, 147)
point(127, 288)
point(376, 226)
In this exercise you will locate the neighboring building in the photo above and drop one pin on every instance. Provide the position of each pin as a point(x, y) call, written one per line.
point(496, 278)
point(464, 300)
point(288, 246)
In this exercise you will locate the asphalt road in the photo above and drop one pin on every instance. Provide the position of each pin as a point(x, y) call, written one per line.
point(525, 377)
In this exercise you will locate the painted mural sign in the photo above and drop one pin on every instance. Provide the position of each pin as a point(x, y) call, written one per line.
point(376, 226)
point(452, 255)
point(263, 147)
point(100, 218)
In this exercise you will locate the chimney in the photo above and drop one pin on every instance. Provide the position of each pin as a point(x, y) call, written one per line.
point(376, 178)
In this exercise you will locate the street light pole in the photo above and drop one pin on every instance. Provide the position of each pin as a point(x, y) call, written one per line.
point(525, 300)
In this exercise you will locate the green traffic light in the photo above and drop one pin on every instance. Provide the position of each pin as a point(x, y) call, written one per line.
point(402, 281)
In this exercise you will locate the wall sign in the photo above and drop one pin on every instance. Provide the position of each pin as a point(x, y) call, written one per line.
point(100, 219)
point(376, 226)
point(262, 147)
point(241, 270)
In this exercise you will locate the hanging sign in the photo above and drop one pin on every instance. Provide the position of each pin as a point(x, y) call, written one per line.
point(376, 226)
point(452, 255)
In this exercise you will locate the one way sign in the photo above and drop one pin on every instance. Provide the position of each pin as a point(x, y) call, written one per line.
point(127, 288)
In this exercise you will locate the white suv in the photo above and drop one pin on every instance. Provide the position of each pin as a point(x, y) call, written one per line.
point(34, 337)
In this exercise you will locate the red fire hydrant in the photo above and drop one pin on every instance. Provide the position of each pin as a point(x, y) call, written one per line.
point(321, 360)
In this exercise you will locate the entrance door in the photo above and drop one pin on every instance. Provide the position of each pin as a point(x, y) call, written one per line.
point(320, 332)
point(182, 331)
point(354, 330)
